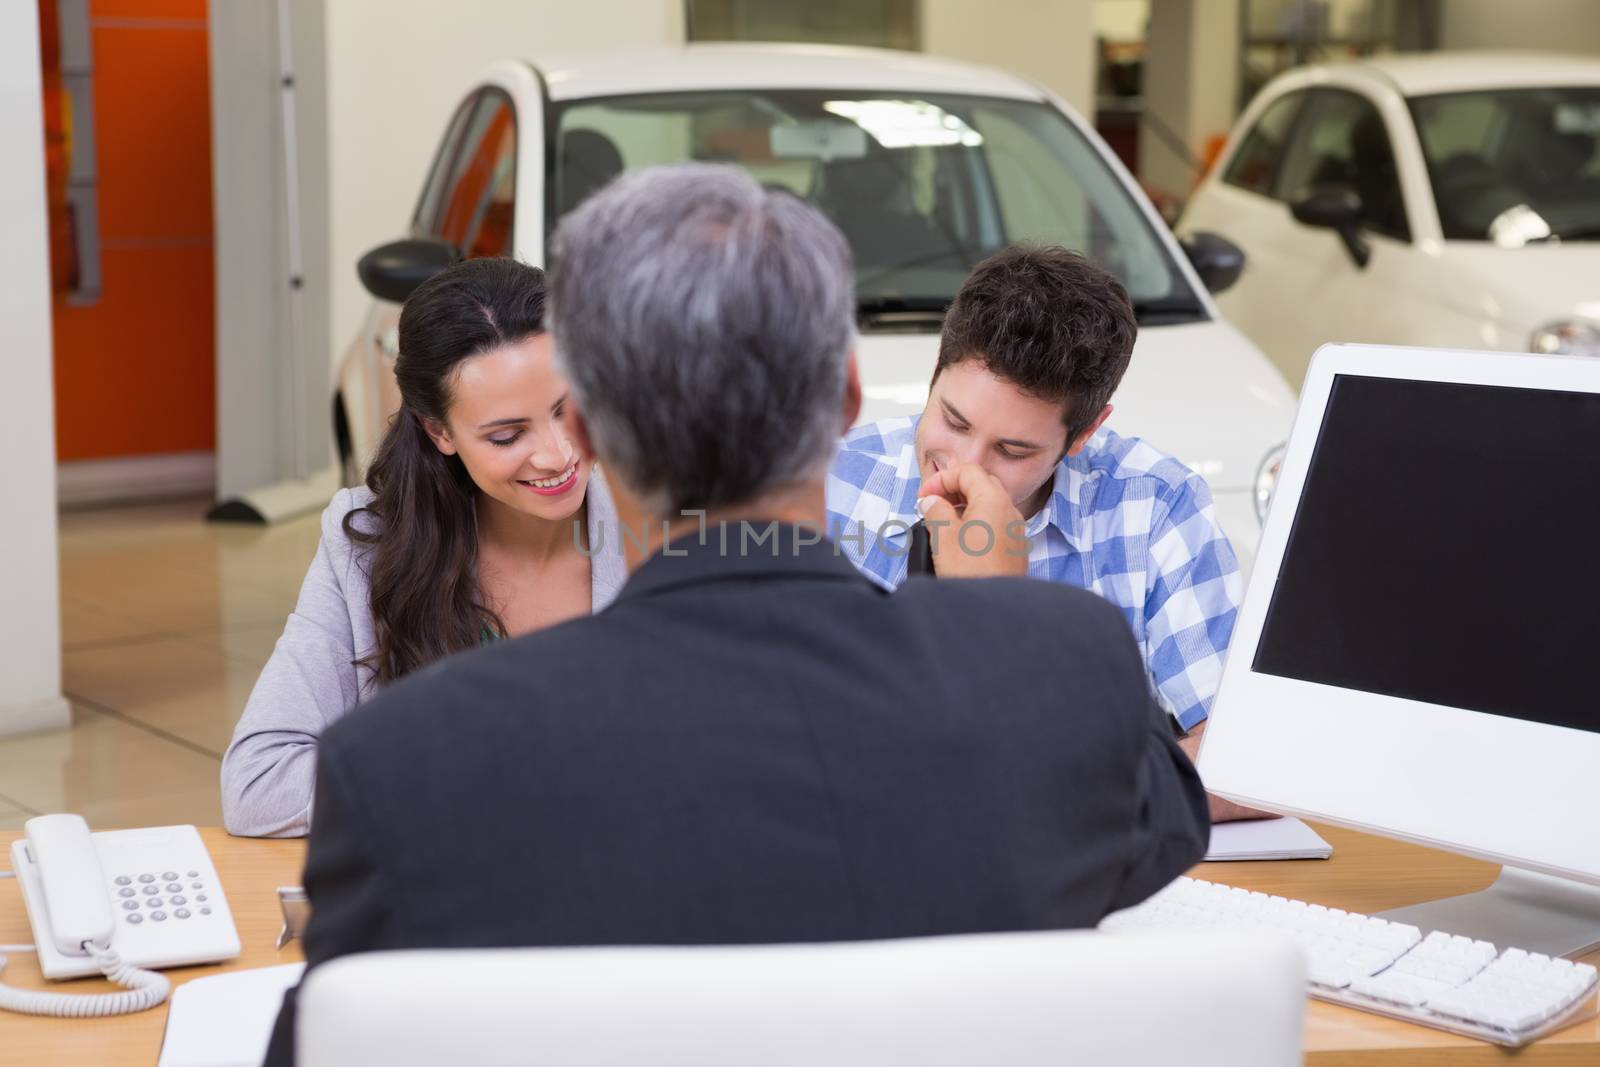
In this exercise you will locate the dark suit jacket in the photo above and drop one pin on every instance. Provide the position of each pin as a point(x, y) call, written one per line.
point(756, 748)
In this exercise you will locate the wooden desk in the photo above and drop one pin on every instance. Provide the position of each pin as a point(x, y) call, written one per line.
point(1366, 874)
point(250, 871)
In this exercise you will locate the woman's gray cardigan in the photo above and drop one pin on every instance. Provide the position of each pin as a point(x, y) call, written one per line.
point(311, 681)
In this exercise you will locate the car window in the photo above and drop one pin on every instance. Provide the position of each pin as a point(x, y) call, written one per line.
point(425, 220)
point(923, 186)
point(1026, 160)
point(1343, 141)
point(1026, 186)
point(1514, 166)
point(1255, 164)
point(476, 208)
point(1466, 123)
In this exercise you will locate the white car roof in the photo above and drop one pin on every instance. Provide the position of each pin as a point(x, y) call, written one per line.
point(694, 67)
point(1426, 73)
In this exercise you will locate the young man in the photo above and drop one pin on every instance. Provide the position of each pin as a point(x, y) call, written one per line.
point(1033, 348)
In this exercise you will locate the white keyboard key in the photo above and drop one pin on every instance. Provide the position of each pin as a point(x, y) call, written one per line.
point(1442, 980)
point(1517, 992)
point(1330, 976)
point(1396, 988)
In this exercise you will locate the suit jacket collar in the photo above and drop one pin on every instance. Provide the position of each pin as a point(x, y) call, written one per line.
point(737, 551)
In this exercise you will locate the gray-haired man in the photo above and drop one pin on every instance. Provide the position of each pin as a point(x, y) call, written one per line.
point(753, 743)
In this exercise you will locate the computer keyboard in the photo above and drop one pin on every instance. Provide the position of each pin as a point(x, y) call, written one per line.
point(1449, 982)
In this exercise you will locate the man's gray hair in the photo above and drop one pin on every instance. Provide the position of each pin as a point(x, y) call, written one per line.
point(704, 323)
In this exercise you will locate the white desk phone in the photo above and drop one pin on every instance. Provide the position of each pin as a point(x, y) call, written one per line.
point(116, 903)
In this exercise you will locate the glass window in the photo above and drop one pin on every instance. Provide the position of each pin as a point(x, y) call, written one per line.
point(476, 208)
point(425, 221)
point(72, 174)
point(1514, 166)
point(1255, 164)
point(475, 201)
point(923, 187)
point(1343, 142)
point(873, 23)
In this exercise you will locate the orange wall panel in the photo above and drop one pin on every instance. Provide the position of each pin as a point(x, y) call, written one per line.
point(142, 374)
point(136, 370)
point(153, 124)
point(150, 9)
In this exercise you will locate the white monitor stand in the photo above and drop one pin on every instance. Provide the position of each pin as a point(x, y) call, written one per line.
point(1521, 909)
point(1416, 654)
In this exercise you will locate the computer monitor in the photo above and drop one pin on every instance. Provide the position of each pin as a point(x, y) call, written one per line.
point(1418, 654)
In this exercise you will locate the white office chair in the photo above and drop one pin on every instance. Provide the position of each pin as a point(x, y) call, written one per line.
point(1010, 1000)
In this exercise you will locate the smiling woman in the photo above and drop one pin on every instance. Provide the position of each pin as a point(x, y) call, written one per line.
point(474, 526)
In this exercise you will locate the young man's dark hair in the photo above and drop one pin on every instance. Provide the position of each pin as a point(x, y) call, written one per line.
point(1052, 321)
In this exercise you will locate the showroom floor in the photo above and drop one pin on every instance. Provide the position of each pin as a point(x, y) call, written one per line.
point(166, 621)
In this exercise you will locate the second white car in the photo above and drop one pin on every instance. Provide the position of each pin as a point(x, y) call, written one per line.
point(1441, 200)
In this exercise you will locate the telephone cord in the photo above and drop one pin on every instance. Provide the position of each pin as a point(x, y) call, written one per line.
point(146, 989)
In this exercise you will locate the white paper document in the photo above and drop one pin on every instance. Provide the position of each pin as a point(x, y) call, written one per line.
point(226, 1020)
point(1266, 839)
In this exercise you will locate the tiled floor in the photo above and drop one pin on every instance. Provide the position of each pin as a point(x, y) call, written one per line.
point(166, 621)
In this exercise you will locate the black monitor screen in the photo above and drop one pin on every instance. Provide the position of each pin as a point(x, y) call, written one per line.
point(1447, 549)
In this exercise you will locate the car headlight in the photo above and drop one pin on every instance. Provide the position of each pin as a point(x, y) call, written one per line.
point(1267, 480)
point(1566, 339)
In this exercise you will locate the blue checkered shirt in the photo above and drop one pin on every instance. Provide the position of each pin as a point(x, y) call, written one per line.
point(1123, 519)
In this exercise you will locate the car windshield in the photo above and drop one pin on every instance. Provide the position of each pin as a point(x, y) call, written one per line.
point(923, 186)
point(1514, 166)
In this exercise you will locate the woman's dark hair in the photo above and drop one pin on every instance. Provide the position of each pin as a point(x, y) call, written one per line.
point(423, 532)
point(1051, 321)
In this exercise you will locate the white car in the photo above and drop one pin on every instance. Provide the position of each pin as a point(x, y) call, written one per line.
point(1442, 200)
point(926, 165)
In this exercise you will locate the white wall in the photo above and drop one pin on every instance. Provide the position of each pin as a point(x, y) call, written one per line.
point(1046, 41)
point(1121, 20)
point(396, 70)
point(30, 595)
point(1191, 82)
point(1541, 25)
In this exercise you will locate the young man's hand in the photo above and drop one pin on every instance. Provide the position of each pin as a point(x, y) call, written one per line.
point(974, 528)
point(1221, 810)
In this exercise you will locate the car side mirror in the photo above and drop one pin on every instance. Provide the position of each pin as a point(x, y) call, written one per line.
point(393, 271)
point(1217, 260)
point(1337, 208)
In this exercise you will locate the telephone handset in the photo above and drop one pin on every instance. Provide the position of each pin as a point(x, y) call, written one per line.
point(116, 903)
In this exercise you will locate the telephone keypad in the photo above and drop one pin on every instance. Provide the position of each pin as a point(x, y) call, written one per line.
point(148, 889)
point(157, 892)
